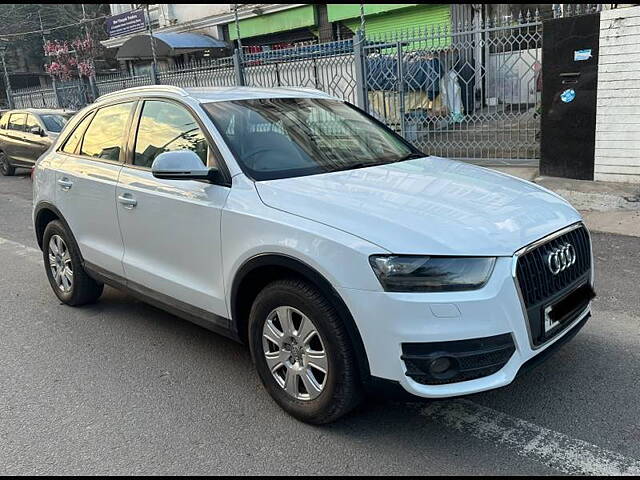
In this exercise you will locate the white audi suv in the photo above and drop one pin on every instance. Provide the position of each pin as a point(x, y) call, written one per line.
point(346, 259)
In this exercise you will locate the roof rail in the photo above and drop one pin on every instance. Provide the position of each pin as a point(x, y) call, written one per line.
point(146, 88)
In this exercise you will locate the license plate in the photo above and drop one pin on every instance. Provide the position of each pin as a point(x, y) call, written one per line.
point(567, 308)
point(549, 322)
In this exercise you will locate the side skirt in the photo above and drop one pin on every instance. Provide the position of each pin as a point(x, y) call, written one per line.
point(203, 318)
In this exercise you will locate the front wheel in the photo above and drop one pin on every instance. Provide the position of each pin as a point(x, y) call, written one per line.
point(65, 272)
point(303, 353)
point(5, 167)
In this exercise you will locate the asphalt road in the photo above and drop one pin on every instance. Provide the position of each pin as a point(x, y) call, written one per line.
point(123, 388)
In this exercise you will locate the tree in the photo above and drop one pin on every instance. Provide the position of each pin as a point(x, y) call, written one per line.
point(21, 18)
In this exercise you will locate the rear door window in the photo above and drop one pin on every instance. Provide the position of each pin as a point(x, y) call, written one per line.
point(17, 121)
point(105, 136)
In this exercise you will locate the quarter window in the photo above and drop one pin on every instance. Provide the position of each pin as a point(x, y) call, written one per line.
point(17, 121)
point(105, 136)
point(166, 127)
point(71, 145)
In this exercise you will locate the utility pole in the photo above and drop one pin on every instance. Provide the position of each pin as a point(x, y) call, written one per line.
point(44, 40)
point(7, 83)
point(92, 83)
point(154, 65)
point(59, 99)
point(235, 10)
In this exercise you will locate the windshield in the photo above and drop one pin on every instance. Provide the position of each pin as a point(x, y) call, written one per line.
point(54, 122)
point(287, 137)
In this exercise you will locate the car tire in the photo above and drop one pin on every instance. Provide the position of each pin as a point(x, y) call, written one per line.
point(5, 167)
point(312, 396)
point(63, 265)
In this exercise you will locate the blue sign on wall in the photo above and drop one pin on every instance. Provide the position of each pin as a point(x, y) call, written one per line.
point(568, 95)
point(126, 23)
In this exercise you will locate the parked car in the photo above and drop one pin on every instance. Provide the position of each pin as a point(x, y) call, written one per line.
point(27, 134)
point(290, 220)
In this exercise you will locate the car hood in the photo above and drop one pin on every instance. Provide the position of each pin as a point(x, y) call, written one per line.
point(426, 206)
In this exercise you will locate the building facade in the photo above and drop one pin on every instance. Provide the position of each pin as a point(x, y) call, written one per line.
point(273, 24)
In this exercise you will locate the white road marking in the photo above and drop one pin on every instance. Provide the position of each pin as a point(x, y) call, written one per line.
point(20, 250)
point(551, 448)
point(558, 451)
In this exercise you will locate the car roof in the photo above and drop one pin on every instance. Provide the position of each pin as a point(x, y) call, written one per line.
point(218, 94)
point(41, 111)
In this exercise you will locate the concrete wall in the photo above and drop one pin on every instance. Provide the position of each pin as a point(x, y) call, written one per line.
point(617, 156)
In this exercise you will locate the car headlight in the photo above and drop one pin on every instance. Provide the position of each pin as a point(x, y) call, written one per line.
point(408, 273)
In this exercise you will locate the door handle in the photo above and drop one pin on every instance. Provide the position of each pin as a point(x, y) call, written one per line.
point(65, 184)
point(127, 201)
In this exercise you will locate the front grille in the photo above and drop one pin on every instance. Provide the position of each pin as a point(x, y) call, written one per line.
point(540, 287)
point(537, 283)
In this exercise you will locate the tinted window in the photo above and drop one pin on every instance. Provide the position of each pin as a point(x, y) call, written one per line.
point(4, 121)
point(105, 136)
point(72, 142)
point(53, 122)
point(287, 137)
point(31, 123)
point(165, 127)
point(16, 121)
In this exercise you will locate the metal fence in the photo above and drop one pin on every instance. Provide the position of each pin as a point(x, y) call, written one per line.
point(34, 97)
point(469, 91)
point(466, 92)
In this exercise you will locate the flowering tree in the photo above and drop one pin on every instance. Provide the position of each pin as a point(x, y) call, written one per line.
point(70, 59)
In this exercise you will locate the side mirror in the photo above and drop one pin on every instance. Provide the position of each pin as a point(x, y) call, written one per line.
point(182, 165)
point(37, 131)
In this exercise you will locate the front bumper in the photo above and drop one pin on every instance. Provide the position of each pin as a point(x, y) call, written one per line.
point(388, 320)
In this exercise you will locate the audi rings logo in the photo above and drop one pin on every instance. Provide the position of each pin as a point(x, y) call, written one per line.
point(561, 258)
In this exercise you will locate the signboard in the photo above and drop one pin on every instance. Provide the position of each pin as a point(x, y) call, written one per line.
point(126, 23)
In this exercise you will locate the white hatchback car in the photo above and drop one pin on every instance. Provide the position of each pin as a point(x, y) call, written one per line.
point(292, 221)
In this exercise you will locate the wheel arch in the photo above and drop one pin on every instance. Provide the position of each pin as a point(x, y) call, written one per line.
point(44, 214)
point(256, 272)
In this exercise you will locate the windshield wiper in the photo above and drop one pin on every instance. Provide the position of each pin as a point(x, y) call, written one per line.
point(412, 156)
point(353, 166)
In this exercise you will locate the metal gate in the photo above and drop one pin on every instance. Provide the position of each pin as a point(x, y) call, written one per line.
point(470, 91)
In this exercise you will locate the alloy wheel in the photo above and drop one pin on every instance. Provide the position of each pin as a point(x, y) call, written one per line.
point(60, 263)
point(295, 353)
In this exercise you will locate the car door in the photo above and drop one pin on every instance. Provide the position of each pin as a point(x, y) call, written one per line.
point(35, 144)
point(15, 138)
point(171, 228)
point(93, 157)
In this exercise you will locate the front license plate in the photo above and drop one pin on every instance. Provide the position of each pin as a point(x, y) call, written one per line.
point(567, 308)
point(549, 322)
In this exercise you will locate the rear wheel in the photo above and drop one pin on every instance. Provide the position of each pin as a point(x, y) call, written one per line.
point(67, 277)
point(302, 352)
point(5, 168)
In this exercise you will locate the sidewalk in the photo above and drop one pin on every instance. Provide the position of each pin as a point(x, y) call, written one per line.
point(606, 206)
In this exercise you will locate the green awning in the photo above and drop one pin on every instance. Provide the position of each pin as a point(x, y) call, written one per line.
point(289, 19)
